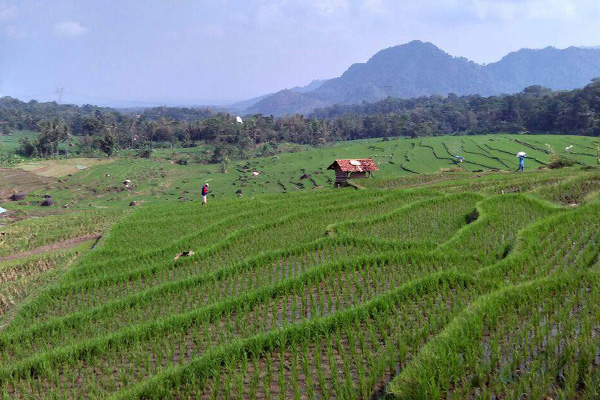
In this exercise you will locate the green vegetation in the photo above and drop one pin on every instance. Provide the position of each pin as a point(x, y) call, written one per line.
point(30, 234)
point(96, 184)
point(220, 138)
point(22, 277)
point(10, 144)
point(452, 284)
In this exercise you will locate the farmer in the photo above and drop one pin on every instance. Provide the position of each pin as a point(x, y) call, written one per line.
point(521, 155)
point(204, 193)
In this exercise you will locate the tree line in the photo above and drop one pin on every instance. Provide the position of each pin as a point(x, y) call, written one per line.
point(535, 110)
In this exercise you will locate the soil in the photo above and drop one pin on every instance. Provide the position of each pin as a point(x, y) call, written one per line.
point(60, 168)
point(20, 181)
point(11, 217)
point(64, 245)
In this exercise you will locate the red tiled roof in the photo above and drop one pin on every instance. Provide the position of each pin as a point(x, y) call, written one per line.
point(366, 164)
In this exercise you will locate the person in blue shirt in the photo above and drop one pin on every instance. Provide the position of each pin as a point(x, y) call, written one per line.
point(521, 163)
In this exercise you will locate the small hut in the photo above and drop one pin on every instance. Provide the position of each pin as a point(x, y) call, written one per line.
point(352, 169)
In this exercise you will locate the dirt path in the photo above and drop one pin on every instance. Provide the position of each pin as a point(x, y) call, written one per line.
point(64, 245)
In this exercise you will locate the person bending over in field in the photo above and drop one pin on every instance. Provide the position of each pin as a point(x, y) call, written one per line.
point(204, 193)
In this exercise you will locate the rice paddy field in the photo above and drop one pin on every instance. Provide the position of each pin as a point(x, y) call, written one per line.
point(438, 285)
point(97, 183)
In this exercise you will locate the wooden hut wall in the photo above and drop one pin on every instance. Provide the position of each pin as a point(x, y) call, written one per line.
point(356, 175)
point(339, 173)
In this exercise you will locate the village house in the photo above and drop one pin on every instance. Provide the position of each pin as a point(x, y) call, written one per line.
point(352, 169)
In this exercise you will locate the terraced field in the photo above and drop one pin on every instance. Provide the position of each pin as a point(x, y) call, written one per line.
point(457, 285)
point(438, 280)
point(98, 184)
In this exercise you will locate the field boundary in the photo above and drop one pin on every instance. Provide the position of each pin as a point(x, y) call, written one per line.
point(54, 247)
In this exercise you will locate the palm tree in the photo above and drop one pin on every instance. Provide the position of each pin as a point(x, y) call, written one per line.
point(52, 133)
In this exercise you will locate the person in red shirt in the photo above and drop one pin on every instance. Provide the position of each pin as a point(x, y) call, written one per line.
point(204, 193)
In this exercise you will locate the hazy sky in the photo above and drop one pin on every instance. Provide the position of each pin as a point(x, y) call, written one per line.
point(217, 51)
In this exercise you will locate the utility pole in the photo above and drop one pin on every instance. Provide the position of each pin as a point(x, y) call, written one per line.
point(59, 94)
point(389, 90)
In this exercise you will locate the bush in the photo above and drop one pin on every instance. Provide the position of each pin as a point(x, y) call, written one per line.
point(557, 160)
point(560, 162)
point(26, 148)
point(144, 152)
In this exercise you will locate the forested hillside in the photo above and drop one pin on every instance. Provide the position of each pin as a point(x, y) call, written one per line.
point(535, 109)
point(421, 69)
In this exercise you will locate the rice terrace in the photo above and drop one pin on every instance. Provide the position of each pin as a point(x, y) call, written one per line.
point(300, 199)
point(451, 284)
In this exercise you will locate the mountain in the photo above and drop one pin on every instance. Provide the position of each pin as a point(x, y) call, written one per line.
point(550, 67)
point(413, 70)
point(315, 84)
point(420, 69)
point(243, 106)
point(287, 102)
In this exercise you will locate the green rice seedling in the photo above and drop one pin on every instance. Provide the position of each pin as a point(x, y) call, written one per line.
point(423, 159)
point(530, 334)
point(224, 329)
point(331, 300)
point(333, 341)
point(536, 155)
point(499, 182)
point(491, 236)
point(431, 220)
point(23, 278)
point(207, 289)
point(414, 180)
point(572, 191)
point(116, 254)
point(33, 233)
point(139, 232)
point(569, 242)
point(247, 241)
point(478, 156)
